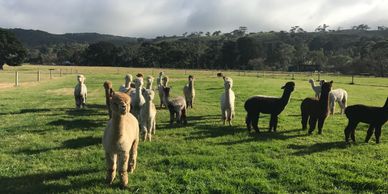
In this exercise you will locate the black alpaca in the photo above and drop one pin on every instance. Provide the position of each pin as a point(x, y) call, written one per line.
point(267, 105)
point(314, 110)
point(374, 116)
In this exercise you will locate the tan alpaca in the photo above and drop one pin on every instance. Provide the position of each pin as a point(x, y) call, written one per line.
point(148, 115)
point(80, 92)
point(128, 85)
point(163, 84)
point(137, 97)
point(108, 95)
point(189, 91)
point(121, 139)
point(149, 79)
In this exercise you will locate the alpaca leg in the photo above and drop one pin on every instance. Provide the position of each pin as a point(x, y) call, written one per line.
point(312, 123)
point(111, 165)
point(172, 115)
point(255, 122)
point(123, 168)
point(223, 113)
point(321, 121)
point(248, 121)
point(154, 126)
point(378, 134)
point(229, 116)
point(184, 116)
point(369, 133)
point(133, 156)
point(349, 128)
point(305, 118)
point(275, 123)
point(272, 123)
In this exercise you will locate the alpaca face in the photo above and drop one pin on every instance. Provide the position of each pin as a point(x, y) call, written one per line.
point(128, 78)
point(138, 82)
point(165, 81)
point(228, 83)
point(150, 79)
point(326, 87)
point(191, 78)
point(107, 85)
point(120, 103)
point(80, 79)
point(290, 86)
point(148, 95)
point(161, 74)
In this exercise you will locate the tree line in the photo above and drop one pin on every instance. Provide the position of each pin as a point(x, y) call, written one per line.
point(349, 51)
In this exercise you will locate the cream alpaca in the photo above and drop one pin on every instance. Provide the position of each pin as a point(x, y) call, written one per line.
point(120, 140)
point(163, 84)
point(148, 115)
point(316, 88)
point(128, 85)
point(189, 92)
point(340, 96)
point(80, 92)
point(227, 101)
point(137, 99)
point(150, 79)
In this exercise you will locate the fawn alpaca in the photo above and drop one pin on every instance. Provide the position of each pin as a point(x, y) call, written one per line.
point(189, 91)
point(374, 116)
point(227, 101)
point(148, 114)
point(108, 96)
point(314, 110)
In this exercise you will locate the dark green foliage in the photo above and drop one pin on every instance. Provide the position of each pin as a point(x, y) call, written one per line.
point(12, 51)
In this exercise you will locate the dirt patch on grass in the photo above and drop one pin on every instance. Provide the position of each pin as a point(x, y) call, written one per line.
point(62, 92)
point(6, 85)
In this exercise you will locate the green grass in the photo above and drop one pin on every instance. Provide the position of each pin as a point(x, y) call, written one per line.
point(49, 147)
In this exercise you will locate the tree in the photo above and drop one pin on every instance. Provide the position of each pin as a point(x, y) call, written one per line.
point(101, 54)
point(361, 27)
point(12, 51)
point(285, 54)
point(322, 28)
point(380, 55)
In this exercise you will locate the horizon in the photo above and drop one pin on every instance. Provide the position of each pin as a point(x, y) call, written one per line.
point(149, 19)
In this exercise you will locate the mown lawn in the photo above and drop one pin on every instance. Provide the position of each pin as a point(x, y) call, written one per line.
point(47, 146)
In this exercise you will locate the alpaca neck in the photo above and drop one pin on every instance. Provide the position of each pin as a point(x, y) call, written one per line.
point(127, 84)
point(191, 86)
point(166, 98)
point(312, 84)
point(227, 96)
point(324, 100)
point(138, 92)
point(118, 124)
point(149, 85)
point(147, 106)
point(285, 97)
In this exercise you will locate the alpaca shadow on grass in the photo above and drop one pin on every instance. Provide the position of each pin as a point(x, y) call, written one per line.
point(266, 136)
point(29, 110)
point(318, 147)
point(47, 182)
point(212, 131)
point(77, 143)
point(80, 124)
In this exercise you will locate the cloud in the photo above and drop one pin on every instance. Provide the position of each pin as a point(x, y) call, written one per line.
point(149, 18)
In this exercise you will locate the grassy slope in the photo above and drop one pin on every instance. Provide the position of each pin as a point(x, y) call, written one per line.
point(47, 146)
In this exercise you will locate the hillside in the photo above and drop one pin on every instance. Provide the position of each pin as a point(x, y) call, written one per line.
point(36, 38)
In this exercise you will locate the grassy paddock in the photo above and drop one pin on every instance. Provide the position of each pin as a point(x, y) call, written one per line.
point(48, 146)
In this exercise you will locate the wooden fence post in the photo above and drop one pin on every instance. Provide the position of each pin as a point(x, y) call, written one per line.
point(293, 78)
point(60, 72)
point(16, 78)
point(319, 76)
point(38, 76)
point(51, 74)
point(352, 79)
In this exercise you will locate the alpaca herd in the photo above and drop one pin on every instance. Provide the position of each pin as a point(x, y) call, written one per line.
point(132, 112)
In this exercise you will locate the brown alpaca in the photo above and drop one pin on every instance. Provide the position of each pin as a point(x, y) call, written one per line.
point(374, 116)
point(108, 95)
point(314, 110)
point(121, 139)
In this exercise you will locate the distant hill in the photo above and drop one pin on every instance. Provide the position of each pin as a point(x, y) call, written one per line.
point(36, 38)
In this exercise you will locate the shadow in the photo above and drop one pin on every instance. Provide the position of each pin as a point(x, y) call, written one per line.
point(79, 124)
point(318, 147)
point(77, 143)
point(84, 112)
point(46, 182)
point(213, 131)
point(215, 88)
point(25, 111)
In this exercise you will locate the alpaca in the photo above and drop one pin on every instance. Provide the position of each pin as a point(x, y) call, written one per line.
point(108, 96)
point(128, 85)
point(340, 96)
point(150, 79)
point(220, 74)
point(227, 101)
point(189, 91)
point(314, 110)
point(148, 114)
point(176, 106)
point(374, 116)
point(267, 105)
point(80, 92)
point(163, 84)
point(316, 88)
point(137, 97)
point(120, 140)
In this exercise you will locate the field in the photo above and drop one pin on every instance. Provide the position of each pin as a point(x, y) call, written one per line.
point(49, 147)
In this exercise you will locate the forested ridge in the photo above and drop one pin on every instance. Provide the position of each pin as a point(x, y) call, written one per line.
point(358, 50)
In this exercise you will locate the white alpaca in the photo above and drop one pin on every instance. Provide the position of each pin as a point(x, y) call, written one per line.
point(340, 96)
point(163, 84)
point(189, 92)
point(150, 79)
point(137, 99)
point(80, 92)
point(316, 88)
point(120, 140)
point(227, 101)
point(148, 115)
point(126, 88)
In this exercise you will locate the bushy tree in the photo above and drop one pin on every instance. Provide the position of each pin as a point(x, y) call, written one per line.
point(12, 51)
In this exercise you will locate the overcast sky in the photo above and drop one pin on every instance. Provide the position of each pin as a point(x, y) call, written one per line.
point(149, 18)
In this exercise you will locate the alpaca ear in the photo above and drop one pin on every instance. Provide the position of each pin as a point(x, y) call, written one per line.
point(283, 87)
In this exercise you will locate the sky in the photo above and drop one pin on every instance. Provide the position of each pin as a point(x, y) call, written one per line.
point(150, 18)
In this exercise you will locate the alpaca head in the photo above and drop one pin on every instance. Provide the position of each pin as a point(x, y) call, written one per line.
point(107, 85)
point(290, 86)
point(326, 87)
point(139, 75)
point(128, 78)
point(120, 103)
point(148, 95)
point(165, 81)
point(190, 78)
point(311, 81)
point(81, 78)
point(220, 74)
point(150, 79)
point(228, 83)
point(321, 82)
point(161, 74)
point(138, 82)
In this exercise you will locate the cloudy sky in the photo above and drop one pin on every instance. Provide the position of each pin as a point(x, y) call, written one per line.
point(149, 18)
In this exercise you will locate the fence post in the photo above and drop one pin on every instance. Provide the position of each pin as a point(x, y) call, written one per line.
point(352, 79)
point(38, 76)
point(293, 78)
point(319, 76)
point(16, 78)
point(60, 72)
point(51, 74)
